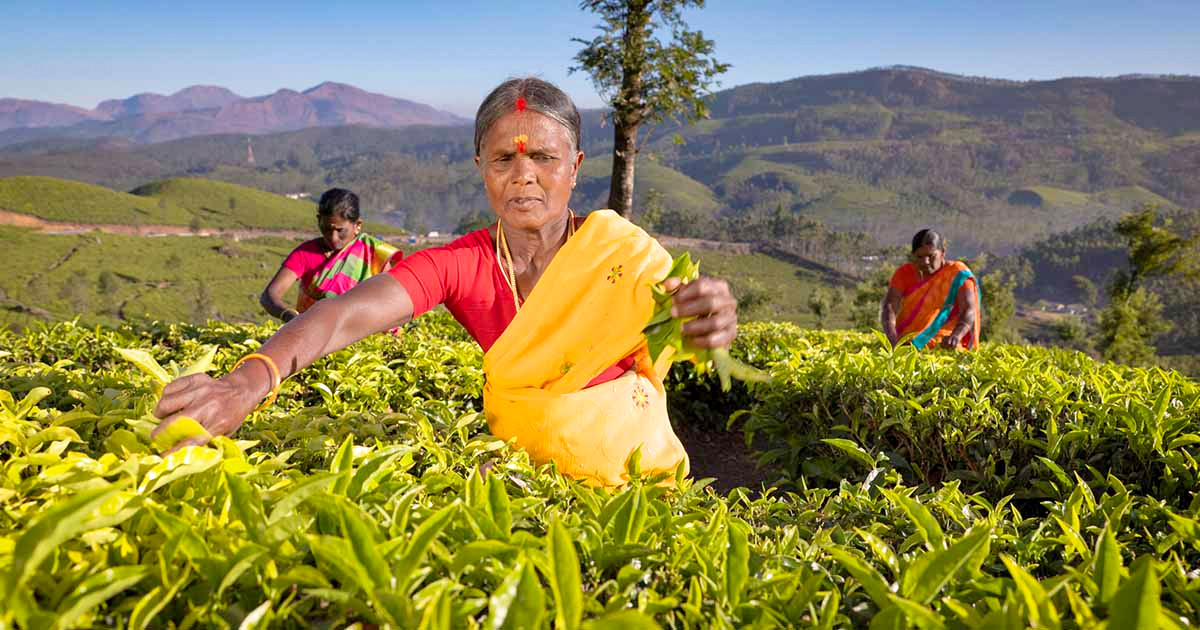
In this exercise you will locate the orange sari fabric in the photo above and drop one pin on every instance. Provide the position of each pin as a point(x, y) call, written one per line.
point(928, 307)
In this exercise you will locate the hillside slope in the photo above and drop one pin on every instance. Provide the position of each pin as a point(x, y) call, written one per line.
point(995, 164)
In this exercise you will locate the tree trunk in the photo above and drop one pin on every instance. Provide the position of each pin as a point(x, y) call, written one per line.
point(620, 192)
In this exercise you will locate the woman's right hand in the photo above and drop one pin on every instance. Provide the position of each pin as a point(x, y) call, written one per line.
point(219, 405)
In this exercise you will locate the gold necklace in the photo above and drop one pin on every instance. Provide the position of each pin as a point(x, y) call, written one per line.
point(510, 274)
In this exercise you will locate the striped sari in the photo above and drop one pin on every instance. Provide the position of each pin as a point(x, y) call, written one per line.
point(361, 259)
point(929, 309)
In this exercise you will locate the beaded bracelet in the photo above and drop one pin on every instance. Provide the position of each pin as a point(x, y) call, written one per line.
point(275, 381)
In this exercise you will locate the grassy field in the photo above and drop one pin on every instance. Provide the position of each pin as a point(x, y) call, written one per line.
point(191, 202)
point(98, 278)
point(103, 278)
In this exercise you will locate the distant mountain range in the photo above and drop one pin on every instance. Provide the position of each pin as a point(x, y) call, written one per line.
point(205, 110)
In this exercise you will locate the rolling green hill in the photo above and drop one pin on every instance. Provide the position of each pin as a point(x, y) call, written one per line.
point(62, 200)
point(184, 201)
point(228, 205)
point(995, 164)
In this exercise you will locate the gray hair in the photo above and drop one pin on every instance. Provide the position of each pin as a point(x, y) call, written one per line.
point(540, 96)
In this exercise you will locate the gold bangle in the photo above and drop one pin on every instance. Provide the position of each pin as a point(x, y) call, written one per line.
point(275, 380)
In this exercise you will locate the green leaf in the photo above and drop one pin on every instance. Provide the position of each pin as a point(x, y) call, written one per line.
point(474, 552)
point(1107, 565)
point(865, 574)
point(663, 331)
point(248, 506)
point(29, 402)
point(256, 618)
point(882, 550)
point(242, 560)
point(421, 539)
point(336, 556)
point(437, 613)
point(518, 602)
point(1136, 603)
point(310, 486)
point(927, 526)
point(498, 505)
point(930, 573)
point(182, 428)
point(628, 521)
point(633, 463)
point(565, 581)
point(145, 363)
point(1038, 607)
point(917, 613)
point(737, 561)
point(623, 620)
point(203, 364)
point(97, 589)
point(362, 541)
point(148, 607)
point(52, 528)
point(852, 449)
point(343, 463)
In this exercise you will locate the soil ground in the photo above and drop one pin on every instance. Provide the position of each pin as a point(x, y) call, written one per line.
point(723, 455)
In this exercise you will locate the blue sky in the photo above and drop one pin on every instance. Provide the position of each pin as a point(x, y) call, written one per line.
point(448, 54)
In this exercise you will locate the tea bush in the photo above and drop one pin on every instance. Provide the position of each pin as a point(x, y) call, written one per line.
point(1018, 420)
point(371, 493)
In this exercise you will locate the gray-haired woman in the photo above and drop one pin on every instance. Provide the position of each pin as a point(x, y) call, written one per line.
point(556, 301)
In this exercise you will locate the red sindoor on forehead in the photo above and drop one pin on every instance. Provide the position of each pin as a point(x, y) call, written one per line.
point(523, 138)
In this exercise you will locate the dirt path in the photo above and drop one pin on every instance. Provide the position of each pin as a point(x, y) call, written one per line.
point(723, 455)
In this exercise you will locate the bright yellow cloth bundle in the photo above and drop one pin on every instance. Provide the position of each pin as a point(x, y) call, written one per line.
point(585, 314)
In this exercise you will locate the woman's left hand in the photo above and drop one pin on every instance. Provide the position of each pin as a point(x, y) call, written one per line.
point(711, 302)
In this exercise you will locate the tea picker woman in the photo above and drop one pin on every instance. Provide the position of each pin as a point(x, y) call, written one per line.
point(557, 302)
point(331, 265)
point(934, 299)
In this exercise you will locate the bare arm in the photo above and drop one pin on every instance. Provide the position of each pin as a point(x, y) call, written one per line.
point(887, 314)
point(967, 303)
point(221, 405)
point(272, 296)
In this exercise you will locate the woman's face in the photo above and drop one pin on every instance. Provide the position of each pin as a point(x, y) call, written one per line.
point(928, 259)
point(529, 163)
point(337, 231)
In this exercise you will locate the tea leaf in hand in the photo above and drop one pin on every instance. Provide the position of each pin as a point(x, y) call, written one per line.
point(663, 331)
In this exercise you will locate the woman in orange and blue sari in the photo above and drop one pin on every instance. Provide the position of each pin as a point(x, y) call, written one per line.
point(933, 300)
point(557, 302)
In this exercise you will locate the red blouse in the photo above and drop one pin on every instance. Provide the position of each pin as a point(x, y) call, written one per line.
point(465, 276)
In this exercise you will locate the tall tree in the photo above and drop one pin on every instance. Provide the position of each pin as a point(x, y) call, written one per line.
point(1134, 317)
point(645, 77)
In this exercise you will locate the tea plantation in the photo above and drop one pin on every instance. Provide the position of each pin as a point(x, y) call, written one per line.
point(1016, 487)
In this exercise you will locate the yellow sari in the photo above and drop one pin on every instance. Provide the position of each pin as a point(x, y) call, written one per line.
point(585, 314)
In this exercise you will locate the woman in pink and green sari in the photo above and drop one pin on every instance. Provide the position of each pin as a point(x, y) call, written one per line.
point(331, 265)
